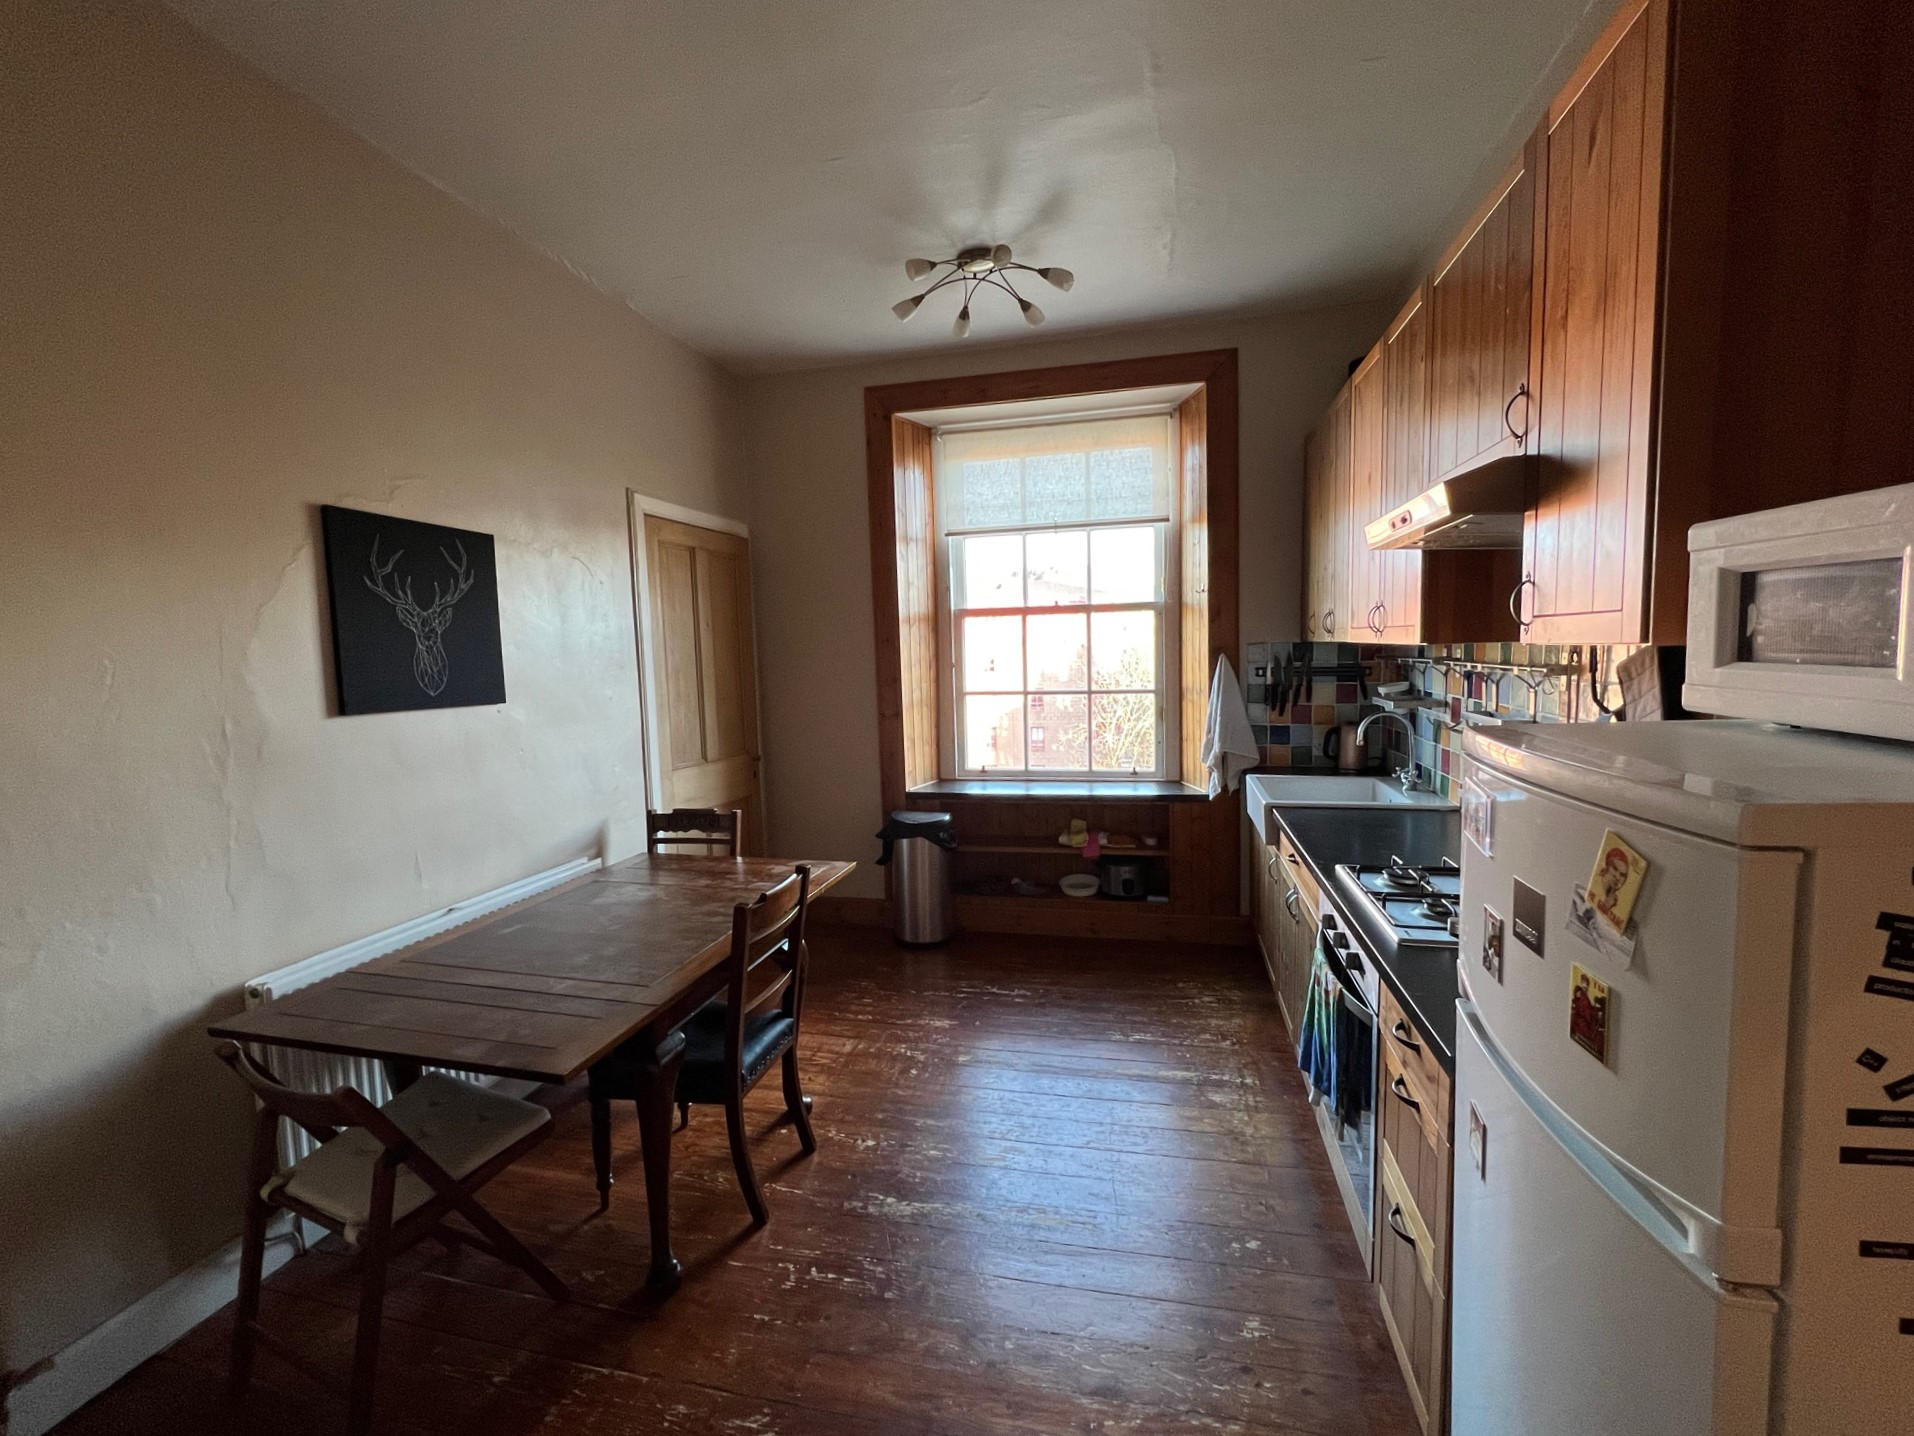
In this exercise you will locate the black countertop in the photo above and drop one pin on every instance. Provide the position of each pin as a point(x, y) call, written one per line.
point(1424, 982)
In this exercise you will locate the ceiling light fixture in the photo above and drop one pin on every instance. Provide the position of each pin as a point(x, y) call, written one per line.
point(974, 267)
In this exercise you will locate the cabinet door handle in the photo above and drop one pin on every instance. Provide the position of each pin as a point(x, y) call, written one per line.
point(1382, 618)
point(1515, 601)
point(1312, 623)
point(1396, 1225)
point(1289, 901)
point(1521, 392)
point(1329, 621)
point(1396, 1086)
point(1401, 1033)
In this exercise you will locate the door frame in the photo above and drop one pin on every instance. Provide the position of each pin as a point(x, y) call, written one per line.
point(639, 507)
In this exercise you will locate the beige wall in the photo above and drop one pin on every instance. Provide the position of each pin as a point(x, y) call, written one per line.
point(221, 310)
point(804, 437)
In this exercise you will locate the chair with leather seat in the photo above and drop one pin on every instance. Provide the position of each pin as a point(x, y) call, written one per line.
point(732, 1041)
point(383, 1178)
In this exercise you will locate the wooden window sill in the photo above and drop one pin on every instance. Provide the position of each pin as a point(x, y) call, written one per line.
point(1026, 789)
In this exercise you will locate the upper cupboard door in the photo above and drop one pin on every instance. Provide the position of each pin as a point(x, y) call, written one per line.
point(1366, 567)
point(1480, 301)
point(1586, 539)
point(1406, 469)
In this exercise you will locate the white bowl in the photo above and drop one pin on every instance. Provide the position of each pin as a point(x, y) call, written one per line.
point(1079, 885)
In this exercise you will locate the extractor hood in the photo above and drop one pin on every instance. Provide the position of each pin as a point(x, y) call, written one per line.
point(1481, 508)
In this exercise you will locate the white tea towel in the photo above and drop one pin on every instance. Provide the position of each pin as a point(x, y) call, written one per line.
point(1229, 743)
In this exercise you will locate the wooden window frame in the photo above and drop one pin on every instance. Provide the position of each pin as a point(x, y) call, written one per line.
point(905, 571)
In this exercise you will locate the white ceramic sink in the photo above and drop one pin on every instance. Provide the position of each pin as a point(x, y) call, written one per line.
point(1262, 791)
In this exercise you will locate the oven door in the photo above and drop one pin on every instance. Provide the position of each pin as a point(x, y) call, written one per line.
point(1346, 1115)
point(1801, 615)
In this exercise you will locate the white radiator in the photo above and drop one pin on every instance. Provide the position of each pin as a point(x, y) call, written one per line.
point(325, 1071)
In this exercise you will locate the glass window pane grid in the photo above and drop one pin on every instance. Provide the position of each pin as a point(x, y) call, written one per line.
point(1085, 693)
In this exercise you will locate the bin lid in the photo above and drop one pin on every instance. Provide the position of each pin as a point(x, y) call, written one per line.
point(912, 823)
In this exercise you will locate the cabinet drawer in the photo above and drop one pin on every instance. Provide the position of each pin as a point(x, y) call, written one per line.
point(1291, 869)
point(1413, 1305)
point(1426, 1170)
point(1402, 1042)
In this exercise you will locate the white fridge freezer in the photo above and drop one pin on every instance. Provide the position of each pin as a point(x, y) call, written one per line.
point(1707, 1224)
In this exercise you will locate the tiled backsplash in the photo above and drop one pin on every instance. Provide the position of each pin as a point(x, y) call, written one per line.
point(1291, 733)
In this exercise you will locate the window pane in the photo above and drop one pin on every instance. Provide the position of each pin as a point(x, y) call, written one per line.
point(993, 654)
point(1059, 732)
point(1124, 564)
point(1053, 488)
point(993, 731)
point(993, 571)
point(1122, 483)
point(1058, 567)
point(1122, 649)
point(1059, 656)
point(993, 492)
point(1124, 738)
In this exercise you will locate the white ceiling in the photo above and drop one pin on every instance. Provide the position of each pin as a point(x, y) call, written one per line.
point(751, 174)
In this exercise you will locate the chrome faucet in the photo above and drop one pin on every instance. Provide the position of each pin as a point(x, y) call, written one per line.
point(1405, 775)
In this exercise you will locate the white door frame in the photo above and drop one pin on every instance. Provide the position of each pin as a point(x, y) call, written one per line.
point(641, 506)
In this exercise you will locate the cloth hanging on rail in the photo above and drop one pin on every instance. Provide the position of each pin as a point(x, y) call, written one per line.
point(1229, 742)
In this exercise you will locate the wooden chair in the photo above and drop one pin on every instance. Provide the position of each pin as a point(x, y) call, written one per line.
point(715, 830)
point(731, 1042)
point(382, 1178)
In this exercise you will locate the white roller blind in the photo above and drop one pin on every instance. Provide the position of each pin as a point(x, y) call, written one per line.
point(1084, 471)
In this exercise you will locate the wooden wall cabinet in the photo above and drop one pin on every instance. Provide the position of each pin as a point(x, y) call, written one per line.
point(1684, 299)
point(1404, 441)
point(1481, 297)
point(1587, 540)
point(1367, 570)
point(1327, 512)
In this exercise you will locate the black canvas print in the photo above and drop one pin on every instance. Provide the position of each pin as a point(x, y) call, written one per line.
point(414, 613)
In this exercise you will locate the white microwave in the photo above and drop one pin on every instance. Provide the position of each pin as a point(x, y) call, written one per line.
point(1801, 615)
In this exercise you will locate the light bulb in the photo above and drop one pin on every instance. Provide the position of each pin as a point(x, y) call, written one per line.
point(904, 308)
point(1058, 276)
point(918, 268)
point(1033, 316)
point(1000, 256)
point(962, 327)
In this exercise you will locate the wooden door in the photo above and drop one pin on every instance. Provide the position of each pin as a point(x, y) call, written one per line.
point(1480, 302)
point(1586, 539)
point(703, 670)
point(1405, 466)
point(1364, 501)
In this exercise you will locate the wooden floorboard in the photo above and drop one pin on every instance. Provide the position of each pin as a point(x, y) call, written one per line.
point(1061, 1188)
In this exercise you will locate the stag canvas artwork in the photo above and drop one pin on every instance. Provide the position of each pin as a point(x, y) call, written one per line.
point(414, 613)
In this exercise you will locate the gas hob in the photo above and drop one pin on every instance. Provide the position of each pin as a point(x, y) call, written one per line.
point(1418, 904)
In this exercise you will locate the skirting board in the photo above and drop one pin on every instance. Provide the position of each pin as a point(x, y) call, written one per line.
point(74, 1376)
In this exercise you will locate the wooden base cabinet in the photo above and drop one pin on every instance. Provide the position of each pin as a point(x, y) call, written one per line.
point(1416, 1176)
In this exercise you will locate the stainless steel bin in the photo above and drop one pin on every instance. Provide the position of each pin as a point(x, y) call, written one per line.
point(917, 849)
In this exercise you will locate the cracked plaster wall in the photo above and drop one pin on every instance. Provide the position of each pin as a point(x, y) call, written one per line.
point(222, 310)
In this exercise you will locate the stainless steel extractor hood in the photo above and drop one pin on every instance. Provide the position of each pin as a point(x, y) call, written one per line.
point(1481, 509)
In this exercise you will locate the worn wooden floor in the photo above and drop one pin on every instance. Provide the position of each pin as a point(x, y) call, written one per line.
point(1061, 1188)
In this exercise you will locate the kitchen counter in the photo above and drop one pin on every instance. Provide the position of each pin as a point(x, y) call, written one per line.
point(1423, 982)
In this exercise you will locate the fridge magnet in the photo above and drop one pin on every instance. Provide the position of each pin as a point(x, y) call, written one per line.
point(1592, 928)
point(1899, 928)
point(1588, 1011)
point(1888, 1251)
point(1491, 942)
point(1889, 987)
point(1901, 1088)
point(1902, 1117)
point(1872, 1060)
point(1531, 916)
point(1877, 1156)
point(1478, 817)
point(1616, 882)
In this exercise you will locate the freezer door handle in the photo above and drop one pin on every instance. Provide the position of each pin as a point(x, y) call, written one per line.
point(1709, 1249)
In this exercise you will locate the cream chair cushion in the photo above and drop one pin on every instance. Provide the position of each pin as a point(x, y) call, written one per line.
point(460, 1126)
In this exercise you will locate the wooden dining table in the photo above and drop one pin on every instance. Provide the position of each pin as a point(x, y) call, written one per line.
point(542, 989)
